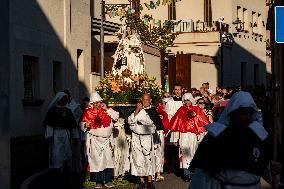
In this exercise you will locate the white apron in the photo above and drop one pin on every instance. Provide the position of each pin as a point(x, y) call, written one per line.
point(60, 152)
point(188, 146)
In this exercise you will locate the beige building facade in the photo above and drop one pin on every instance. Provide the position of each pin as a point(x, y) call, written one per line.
point(239, 42)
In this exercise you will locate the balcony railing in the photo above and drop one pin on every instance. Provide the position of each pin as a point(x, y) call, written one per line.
point(185, 26)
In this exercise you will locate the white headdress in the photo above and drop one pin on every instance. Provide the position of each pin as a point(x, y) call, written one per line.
point(95, 97)
point(56, 98)
point(188, 96)
point(238, 100)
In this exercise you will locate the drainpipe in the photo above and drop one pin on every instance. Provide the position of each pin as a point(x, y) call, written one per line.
point(102, 38)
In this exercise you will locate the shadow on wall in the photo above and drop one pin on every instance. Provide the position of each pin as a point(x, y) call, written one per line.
point(34, 35)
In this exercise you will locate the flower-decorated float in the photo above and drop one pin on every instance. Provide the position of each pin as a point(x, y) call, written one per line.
point(124, 86)
point(128, 80)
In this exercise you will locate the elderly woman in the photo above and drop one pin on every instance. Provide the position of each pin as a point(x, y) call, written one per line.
point(235, 151)
point(59, 122)
point(188, 121)
point(96, 121)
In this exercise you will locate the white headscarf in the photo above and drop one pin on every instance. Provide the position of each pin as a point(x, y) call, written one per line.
point(95, 97)
point(238, 100)
point(188, 96)
point(56, 98)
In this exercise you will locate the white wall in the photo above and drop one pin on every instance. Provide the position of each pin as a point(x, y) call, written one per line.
point(153, 66)
point(203, 72)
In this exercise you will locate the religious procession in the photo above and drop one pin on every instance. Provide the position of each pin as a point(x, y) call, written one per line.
point(130, 127)
point(141, 94)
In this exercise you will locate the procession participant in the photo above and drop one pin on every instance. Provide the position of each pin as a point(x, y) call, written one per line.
point(172, 150)
point(121, 149)
point(142, 156)
point(76, 132)
point(235, 151)
point(189, 121)
point(96, 121)
point(160, 157)
point(202, 104)
point(59, 121)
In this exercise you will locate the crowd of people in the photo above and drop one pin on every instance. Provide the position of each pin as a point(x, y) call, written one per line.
point(215, 139)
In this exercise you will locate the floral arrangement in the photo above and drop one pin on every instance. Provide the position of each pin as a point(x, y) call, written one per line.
point(128, 89)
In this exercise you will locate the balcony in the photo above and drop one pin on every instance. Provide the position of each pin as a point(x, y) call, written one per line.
point(185, 26)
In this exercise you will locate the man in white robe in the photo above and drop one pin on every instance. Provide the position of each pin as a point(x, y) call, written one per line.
point(99, 141)
point(171, 141)
point(142, 157)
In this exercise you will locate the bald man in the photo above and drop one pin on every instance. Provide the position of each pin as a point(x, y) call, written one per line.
point(144, 122)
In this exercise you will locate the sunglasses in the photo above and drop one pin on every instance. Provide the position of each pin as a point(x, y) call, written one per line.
point(201, 102)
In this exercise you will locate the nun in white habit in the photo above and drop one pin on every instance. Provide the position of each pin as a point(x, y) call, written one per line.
point(235, 151)
point(96, 121)
point(59, 122)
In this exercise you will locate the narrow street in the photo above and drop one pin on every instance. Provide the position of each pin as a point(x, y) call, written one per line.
point(49, 181)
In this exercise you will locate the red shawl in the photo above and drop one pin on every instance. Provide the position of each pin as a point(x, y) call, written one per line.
point(189, 119)
point(165, 119)
point(96, 118)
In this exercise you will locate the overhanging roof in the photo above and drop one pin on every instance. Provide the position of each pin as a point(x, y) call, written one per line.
point(110, 28)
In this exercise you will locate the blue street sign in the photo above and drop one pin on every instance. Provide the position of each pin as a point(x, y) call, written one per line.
point(279, 24)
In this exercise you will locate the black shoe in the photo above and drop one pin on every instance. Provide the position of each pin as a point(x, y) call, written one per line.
point(141, 186)
point(150, 185)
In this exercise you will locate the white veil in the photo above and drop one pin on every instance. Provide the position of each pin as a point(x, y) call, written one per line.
point(238, 100)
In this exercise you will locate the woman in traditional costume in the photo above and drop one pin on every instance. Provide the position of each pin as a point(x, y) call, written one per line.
point(59, 122)
point(189, 121)
point(96, 121)
point(235, 151)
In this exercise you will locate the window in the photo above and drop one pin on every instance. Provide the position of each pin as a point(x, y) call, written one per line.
point(259, 24)
point(256, 74)
point(254, 22)
point(57, 76)
point(243, 73)
point(30, 71)
point(172, 11)
point(246, 19)
point(208, 12)
point(80, 64)
point(95, 65)
point(239, 13)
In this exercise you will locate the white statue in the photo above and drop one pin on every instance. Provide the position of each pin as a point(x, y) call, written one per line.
point(129, 56)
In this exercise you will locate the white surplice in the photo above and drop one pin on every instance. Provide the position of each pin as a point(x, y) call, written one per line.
point(171, 108)
point(142, 157)
point(99, 145)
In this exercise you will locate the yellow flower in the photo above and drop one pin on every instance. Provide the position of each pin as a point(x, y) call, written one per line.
point(115, 89)
point(136, 78)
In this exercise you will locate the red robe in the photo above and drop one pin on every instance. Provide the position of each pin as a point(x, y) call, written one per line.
point(189, 119)
point(96, 118)
point(165, 120)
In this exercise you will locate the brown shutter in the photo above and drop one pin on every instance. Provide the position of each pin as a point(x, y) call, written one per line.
point(183, 70)
point(172, 71)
